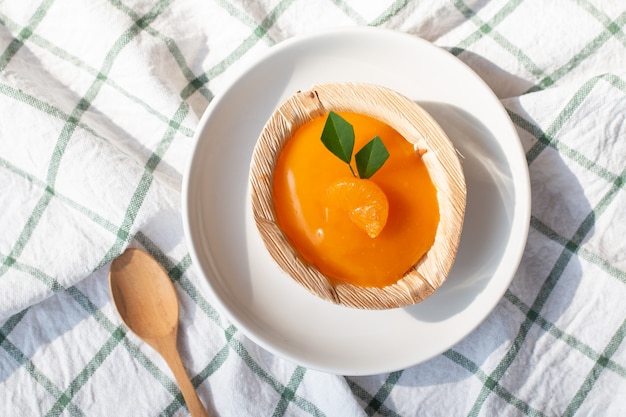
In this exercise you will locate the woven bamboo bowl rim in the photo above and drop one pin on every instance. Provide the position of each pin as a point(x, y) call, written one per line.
point(417, 127)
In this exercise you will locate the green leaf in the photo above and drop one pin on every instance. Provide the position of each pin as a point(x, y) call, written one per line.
point(371, 157)
point(338, 136)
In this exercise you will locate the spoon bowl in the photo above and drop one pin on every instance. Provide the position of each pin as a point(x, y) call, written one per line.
point(151, 316)
point(146, 301)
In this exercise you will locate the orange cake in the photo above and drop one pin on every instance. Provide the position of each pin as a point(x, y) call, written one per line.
point(383, 235)
point(314, 194)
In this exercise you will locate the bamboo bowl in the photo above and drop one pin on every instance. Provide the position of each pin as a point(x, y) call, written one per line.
point(417, 127)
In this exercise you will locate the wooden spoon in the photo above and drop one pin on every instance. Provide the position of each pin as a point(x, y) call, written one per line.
point(146, 301)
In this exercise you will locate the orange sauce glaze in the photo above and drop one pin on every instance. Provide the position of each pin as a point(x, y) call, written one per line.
point(326, 237)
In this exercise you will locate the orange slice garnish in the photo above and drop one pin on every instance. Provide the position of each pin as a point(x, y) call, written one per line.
point(363, 200)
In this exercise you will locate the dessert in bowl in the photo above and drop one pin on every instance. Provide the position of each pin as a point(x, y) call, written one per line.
point(235, 271)
point(332, 230)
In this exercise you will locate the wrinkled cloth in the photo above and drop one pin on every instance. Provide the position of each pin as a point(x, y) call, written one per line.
point(99, 102)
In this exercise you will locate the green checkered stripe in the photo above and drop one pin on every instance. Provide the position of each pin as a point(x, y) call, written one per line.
point(67, 354)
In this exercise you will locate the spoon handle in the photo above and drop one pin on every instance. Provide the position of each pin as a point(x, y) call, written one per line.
point(170, 353)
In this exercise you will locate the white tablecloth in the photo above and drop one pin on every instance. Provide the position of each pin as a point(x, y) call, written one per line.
point(99, 102)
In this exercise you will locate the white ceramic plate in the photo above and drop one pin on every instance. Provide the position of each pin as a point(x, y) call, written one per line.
point(266, 304)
